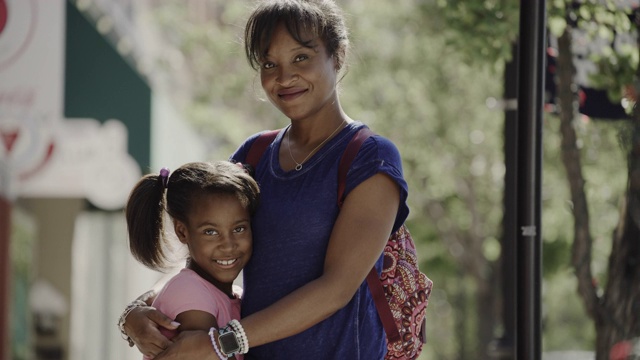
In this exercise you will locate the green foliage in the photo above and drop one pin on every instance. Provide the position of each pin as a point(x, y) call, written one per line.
point(564, 325)
point(482, 31)
point(604, 168)
point(604, 29)
point(557, 256)
point(21, 248)
point(617, 59)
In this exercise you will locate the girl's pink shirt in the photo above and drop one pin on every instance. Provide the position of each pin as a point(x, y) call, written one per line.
point(188, 291)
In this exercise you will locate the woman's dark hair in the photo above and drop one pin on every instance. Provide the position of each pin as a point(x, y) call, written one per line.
point(322, 18)
point(144, 209)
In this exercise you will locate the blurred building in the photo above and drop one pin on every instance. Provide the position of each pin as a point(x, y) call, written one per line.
point(82, 117)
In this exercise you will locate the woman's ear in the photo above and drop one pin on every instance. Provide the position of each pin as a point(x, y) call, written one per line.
point(339, 58)
point(181, 231)
point(337, 62)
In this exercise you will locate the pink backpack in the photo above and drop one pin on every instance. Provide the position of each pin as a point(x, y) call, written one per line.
point(401, 293)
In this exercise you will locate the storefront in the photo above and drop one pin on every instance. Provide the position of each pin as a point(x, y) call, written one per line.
point(79, 125)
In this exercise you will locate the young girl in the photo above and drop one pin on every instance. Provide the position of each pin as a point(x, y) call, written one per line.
point(211, 205)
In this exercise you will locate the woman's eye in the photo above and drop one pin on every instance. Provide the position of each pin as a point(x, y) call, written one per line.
point(268, 65)
point(301, 57)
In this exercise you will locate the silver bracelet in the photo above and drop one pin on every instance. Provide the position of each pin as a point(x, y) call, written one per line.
point(123, 318)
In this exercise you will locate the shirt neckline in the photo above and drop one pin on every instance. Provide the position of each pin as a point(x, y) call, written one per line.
point(316, 158)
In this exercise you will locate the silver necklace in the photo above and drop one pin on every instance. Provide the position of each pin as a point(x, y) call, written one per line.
point(299, 164)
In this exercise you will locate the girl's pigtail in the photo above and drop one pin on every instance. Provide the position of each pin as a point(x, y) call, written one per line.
point(144, 214)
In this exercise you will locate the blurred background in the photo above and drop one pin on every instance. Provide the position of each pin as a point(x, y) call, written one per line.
point(96, 93)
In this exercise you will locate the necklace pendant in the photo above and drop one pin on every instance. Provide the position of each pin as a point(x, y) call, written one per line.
point(299, 165)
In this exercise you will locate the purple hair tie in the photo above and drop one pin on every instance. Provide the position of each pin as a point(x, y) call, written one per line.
point(164, 176)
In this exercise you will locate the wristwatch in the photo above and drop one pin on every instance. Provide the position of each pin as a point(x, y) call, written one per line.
point(228, 342)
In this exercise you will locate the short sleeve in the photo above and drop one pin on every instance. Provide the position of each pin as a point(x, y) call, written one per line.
point(187, 292)
point(379, 155)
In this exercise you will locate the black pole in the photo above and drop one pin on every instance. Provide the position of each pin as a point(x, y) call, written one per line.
point(530, 105)
point(503, 348)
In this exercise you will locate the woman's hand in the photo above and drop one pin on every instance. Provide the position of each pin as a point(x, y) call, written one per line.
point(143, 327)
point(189, 345)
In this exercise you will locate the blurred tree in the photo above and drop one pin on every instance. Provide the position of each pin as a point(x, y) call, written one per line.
point(487, 28)
point(614, 305)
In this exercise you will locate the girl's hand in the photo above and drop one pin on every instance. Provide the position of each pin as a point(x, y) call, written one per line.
point(189, 345)
point(143, 327)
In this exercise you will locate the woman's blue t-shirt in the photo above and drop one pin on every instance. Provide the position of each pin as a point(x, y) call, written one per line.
point(291, 230)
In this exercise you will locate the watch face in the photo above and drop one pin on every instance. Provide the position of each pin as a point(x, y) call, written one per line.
point(228, 343)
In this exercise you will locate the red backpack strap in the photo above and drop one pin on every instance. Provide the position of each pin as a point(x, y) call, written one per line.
point(347, 158)
point(259, 146)
point(373, 279)
point(382, 305)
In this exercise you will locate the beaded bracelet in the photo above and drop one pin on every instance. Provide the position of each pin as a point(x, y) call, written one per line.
point(240, 333)
point(123, 317)
point(214, 343)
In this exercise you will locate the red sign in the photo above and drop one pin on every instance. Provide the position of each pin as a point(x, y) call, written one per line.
point(17, 27)
point(9, 137)
point(4, 14)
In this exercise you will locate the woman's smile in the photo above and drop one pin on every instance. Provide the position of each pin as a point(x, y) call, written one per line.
point(291, 93)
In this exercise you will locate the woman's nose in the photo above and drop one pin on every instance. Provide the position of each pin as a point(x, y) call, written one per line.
point(286, 76)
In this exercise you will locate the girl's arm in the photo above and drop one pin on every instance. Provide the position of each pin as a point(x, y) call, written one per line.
point(196, 320)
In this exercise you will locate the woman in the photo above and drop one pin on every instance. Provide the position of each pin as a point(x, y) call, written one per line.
point(305, 294)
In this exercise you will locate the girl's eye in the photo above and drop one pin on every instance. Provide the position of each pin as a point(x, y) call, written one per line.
point(268, 65)
point(239, 229)
point(210, 232)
